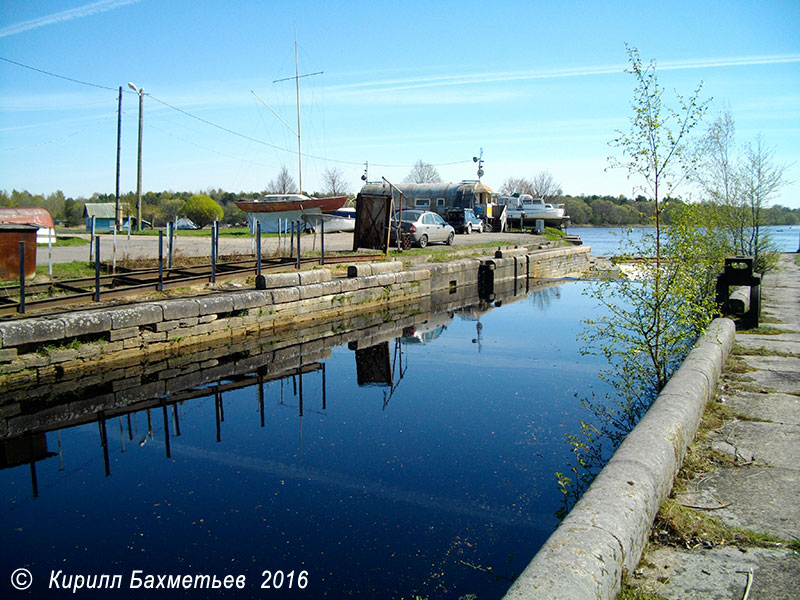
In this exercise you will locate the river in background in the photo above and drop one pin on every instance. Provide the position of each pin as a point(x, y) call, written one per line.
point(605, 241)
point(422, 465)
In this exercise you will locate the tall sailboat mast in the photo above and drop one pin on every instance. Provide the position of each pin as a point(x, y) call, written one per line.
point(297, 77)
point(297, 87)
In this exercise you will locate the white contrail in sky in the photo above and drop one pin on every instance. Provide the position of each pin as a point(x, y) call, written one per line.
point(65, 15)
point(394, 85)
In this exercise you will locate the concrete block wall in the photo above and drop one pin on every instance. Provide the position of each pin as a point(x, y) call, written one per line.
point(606, 531)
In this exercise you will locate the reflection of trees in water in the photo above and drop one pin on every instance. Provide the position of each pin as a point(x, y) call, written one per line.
point(542, 298)
point(614, 417)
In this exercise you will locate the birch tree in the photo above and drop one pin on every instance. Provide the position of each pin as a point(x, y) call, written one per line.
point(651, 318)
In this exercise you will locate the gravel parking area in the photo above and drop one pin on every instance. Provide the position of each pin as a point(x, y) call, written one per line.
point(147, 246)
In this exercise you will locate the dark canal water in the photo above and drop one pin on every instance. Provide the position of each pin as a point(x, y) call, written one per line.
point(421, 465)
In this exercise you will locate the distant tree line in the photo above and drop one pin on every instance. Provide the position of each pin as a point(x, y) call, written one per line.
point(619, 210)
point(161, 207)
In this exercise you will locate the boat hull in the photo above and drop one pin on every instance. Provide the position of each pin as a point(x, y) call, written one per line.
point(533, 214)
point(323, 204)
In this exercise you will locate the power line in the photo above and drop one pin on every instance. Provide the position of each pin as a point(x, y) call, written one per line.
point(19, 64)
point(211, 124)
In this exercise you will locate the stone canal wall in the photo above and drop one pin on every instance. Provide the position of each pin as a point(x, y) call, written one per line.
point(605, 533)
point(50, 351)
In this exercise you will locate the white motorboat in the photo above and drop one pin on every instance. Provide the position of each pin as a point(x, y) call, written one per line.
point(530, 207)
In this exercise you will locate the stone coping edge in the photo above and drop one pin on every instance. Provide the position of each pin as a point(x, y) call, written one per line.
point(606, 531)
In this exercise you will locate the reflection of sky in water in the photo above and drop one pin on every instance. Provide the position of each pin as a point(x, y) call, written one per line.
point(420, 494)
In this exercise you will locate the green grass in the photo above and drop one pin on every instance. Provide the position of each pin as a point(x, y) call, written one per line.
point(632, 593)
point(764, 330)
point(438, 249)
point(70, 270)
point(553, 234)
point(687, 527)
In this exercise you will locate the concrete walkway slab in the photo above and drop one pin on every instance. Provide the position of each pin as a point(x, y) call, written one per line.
point(762, 499)
point(777, 408)
point(787, 343)
point(721, 574)
point(768, 444)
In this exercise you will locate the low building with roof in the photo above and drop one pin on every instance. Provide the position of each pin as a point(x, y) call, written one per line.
point(104, 214)
point(31, 215)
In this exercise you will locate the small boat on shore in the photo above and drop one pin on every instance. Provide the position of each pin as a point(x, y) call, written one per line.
point(291, 203)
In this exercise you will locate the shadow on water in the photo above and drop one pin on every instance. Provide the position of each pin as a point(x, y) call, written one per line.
point(394, 454)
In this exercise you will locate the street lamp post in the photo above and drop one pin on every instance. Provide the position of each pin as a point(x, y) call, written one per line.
point(139, 91)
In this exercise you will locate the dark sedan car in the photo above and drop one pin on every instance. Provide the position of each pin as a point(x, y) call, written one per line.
point(463, 220)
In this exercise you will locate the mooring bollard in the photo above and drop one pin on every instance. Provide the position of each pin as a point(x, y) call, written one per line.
point(21, 307)
point(739, 272)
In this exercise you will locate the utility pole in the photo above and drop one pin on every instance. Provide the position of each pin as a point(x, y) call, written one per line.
point(139, 91)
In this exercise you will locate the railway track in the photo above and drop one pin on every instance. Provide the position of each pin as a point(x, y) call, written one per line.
point(125, 283)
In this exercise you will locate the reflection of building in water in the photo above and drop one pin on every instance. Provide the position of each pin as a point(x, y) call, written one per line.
point(26, 450)
point(375, 366)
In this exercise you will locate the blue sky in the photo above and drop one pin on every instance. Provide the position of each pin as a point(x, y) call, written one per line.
point(538, 85)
